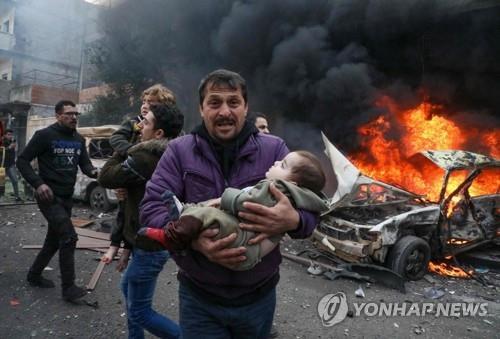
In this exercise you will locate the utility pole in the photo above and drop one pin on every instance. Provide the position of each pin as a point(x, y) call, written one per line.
point(82, 52)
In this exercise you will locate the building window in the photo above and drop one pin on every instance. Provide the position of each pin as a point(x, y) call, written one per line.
point(5, 76)
point(6, 26)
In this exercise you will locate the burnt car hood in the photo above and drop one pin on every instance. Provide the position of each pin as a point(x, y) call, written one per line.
point(349, 177)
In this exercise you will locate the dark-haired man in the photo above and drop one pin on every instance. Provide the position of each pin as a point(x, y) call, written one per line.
point(9, 143)
point(260, 121)
point(59, 150)
point(162, 123)
point(226, 150)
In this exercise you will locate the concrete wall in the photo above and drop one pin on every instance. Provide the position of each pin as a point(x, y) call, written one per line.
point(35, 123)
point(5, 87)
point(50, 35)
point(7, 41)
point(42, 95)
point(7, 17)
point(35, 71)
point(88, 95)
point(6, 69)
point(42, 54)
point(50, 96)
point(52, 29)
point(22, 94)
point(7, 38)
point(42, 111)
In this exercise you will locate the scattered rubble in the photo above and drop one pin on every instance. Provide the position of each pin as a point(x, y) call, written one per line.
point(433, 292)
point(296, 315)
point(14, 301)
point(359, 292)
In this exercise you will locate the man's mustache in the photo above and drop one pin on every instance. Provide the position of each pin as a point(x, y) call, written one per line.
point(225, 121)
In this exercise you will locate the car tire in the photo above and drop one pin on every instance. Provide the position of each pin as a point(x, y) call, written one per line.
point(409, 257)
point(98, 199)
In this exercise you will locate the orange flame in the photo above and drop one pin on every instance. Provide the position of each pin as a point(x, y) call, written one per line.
point(446, 269)
point(454, 241)
point(421, 129)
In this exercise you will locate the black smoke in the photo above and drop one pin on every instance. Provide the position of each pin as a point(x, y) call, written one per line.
point(321, 64)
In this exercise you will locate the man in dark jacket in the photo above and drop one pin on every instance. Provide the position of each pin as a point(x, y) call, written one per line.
point(162, 123)
point(59, 150)
point(224, 151)
point(9, 143)
point(260, 121)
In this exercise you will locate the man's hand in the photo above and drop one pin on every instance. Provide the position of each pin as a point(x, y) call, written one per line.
point(94, 173)
point(123, 261)
point(217, 251)
point(267, 221)
point(109, 255)
point(121, 193)
point(44, 193)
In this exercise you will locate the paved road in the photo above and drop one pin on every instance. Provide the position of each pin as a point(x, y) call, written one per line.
point(43, 314)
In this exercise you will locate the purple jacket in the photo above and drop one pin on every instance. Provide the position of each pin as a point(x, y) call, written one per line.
point(190, 170)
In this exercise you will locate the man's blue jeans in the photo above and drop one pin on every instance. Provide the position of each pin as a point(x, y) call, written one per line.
point(138, 286)
point(11, 172)
point(200, 319)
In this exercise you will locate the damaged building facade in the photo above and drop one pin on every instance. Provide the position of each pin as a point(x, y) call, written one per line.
point(42, 59)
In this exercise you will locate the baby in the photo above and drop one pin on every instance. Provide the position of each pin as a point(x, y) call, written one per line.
point(299, 176)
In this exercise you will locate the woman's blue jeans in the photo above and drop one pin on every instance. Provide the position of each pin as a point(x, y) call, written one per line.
point(138, 286)
point(200, 319)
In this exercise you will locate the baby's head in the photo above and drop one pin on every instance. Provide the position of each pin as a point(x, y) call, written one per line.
point(300, 167)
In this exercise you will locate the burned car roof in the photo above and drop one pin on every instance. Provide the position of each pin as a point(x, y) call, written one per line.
point(458, 160)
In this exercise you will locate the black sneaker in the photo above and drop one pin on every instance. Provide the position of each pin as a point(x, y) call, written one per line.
point(73, 293)
point(18, 199)
point(39, 281)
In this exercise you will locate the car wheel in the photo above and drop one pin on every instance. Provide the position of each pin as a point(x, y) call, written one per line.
point(98, 199)
point(410, 257)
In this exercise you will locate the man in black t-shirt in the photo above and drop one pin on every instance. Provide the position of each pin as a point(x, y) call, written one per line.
point(59, 150)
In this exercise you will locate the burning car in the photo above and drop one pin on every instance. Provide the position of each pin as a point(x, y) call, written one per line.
point(374, 222)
